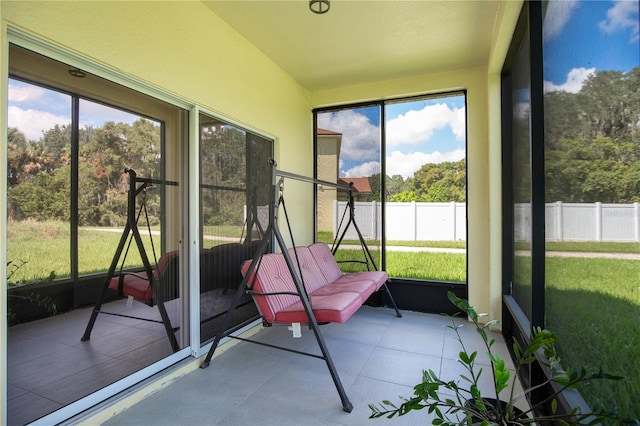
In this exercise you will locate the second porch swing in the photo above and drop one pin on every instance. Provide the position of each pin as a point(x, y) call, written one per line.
point(153, 285)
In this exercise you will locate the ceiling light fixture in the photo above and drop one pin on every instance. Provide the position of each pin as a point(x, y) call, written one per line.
point(319, 6)
point(77, 72)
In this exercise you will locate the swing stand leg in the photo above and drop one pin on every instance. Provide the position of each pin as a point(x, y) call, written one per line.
point(346, 404)
point(392, 301)
point(87, 333)
point(207, 359)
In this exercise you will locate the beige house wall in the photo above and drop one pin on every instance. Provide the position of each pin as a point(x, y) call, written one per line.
point(328, 167)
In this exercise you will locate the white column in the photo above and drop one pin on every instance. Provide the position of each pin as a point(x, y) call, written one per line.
point(636, 210)
point(374, 220)
point(598, 221)
point(454, 221)
point(559, 221)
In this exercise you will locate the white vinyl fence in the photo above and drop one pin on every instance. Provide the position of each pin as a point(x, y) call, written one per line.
point(584, 222)
point(405, 221)
point(447, 221)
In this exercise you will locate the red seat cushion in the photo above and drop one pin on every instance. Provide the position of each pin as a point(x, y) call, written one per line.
point(137, 284)
point(134, 285)
point(337, 307)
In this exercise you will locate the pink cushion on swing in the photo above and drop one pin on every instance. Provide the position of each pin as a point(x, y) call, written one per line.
point(312, 276)
point(332, 272)
point(334, 296)
point(137, 285)
point(336, 307)
point(134, 285)
point(325, 261)
point(272, 276)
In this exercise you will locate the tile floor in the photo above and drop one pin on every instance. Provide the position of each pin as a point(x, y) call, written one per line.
point(378, 356)
point(48, 366)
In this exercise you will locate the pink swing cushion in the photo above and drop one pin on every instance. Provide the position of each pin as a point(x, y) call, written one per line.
point(137, 284)
point(334, 296)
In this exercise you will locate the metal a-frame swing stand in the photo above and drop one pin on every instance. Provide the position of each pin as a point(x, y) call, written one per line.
point(245, 286)
point(132, 228)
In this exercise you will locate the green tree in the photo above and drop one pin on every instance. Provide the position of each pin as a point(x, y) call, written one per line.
point(394, 185)
point(56, 144)
point(223, 160)
point(375, 182)
point(441, 182)
point(18, 156)
point(592, 140)
point(105, 153)
point(45, 197)
point(404, 197)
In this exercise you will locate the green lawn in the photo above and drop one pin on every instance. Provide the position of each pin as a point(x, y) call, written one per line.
point(593, 306)
point(419, 265)
point(44, 249)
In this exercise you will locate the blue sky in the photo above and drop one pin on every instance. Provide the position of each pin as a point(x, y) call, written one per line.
point(420, 131)
point(34, 109)
point(581, 37)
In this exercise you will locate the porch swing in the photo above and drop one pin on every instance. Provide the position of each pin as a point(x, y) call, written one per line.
point(303, 284)
point(153, 285)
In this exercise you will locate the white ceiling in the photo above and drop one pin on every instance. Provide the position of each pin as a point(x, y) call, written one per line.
point(360, 41)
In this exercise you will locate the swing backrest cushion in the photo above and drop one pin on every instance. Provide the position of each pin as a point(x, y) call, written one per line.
point(325, 261)
point(272, 276)
point(312, 276)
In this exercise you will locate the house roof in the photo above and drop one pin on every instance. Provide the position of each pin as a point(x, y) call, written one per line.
point(327, 132)
point(361, 185)
point(359, 42)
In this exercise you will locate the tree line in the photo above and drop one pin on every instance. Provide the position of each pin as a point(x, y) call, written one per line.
point(39, 172)
point(592, 140)
point(433, 183)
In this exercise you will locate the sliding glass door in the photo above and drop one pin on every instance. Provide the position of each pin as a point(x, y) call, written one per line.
point(75, 141)
point(235, 187)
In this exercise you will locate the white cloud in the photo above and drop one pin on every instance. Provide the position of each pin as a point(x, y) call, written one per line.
point(406, 165)
point(95, 114)
point(360, 138)
point(623, 15)
point(33, 122)
point(418, 126)
point(25, 93)
point(557, 15)
point(363, 170)
point(575, 80)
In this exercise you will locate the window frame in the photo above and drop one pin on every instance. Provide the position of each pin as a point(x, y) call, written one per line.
point(412, 294)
